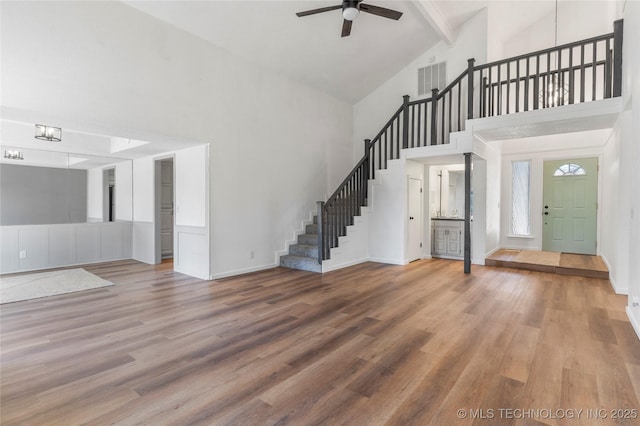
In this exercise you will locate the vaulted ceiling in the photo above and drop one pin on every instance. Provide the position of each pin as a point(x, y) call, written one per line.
point(310, 49)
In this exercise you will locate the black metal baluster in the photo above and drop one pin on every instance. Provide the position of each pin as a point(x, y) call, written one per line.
point(373, 163)
point(483, 96)
point(536, 85)
point(560, 97)
point(459, 89)
point(508, 86)
point(608, 71)
point(518, 86)
point(450, 108)
point(425, 128)
point(426, 124)
point(490, 93)
point(593, 67)
point(572, 78)
point(526, 88)
point(413, 127)
point(385, 150)
point(397, 120)
point(582, 74)
point(442, 130)
point(419, 125)
point(434, 119)
point(499, 95)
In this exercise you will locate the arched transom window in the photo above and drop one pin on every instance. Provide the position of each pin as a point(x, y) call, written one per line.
point(570, 169)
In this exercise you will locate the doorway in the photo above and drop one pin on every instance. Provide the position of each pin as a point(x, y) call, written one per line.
point(570, 190)
point(108, 195)
point(414, 240)
point(164, 209)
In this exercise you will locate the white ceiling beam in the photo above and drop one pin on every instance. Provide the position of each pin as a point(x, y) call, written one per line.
point(438, 21)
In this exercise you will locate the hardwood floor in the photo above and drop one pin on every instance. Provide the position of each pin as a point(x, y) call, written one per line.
point(367, 345)
point(580, 265)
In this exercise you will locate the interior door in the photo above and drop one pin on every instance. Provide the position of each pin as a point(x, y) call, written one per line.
point(570, 190)
point(166, 208)
point(414, 245)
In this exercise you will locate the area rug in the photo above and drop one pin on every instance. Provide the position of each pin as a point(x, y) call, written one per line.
point(43, 284)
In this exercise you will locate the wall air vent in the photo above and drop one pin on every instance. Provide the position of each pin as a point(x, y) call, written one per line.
point(432, 77)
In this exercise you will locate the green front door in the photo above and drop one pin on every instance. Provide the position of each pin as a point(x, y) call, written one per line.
point(570, 202)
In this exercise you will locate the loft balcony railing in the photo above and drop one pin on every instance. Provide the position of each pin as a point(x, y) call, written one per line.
point(583, 71)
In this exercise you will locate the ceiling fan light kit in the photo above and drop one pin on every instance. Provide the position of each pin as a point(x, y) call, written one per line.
point(350, 11)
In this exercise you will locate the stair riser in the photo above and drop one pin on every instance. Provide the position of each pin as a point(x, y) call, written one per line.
point(307, 239)
point(311, 229)
point(304, 264)
point(306, 251)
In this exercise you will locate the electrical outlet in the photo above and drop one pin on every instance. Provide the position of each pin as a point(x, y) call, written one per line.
point(23, 254)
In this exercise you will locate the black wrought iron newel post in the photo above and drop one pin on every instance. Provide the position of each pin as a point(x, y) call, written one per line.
point(405, 121)
point(470, 68)
point(320, 233)
point(617, 57)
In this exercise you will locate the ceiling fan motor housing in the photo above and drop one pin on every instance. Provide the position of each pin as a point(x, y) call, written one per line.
point(350, 9)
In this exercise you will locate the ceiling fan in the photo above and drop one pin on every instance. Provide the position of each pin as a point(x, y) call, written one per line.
point(350, 11)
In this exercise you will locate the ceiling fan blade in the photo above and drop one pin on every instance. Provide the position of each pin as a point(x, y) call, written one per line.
point(381, 11)
point(314, 11)
point(346, 28)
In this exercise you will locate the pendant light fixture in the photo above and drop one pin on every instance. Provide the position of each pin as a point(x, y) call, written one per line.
point(48, 133)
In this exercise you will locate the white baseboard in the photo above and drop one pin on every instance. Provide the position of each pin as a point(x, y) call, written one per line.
point(389, 261)
point(343, 265)
point(614, 285)
point(634, 318)
point(492, 252)
point(242, 271)
point(192, 274)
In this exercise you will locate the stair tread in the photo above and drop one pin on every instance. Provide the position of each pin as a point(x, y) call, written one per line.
point(293, 256)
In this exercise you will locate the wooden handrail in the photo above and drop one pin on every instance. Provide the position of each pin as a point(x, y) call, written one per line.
point(546, 51)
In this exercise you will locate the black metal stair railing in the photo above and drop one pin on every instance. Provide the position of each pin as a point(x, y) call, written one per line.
point(576, 72)
point(583, 71)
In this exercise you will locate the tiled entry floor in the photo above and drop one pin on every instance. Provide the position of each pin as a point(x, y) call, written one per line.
point(545, 261)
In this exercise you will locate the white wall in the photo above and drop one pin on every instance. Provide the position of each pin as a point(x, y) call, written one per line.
point(124, 190)
point(387, 219)
point(577, 20)
point(52, 246)
point(488, 189)
point(94, 194)
point(191, 233)
point(372, 112)
point(143, 210)
point(616, 180)
point(276, 146)
point(630, 156)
